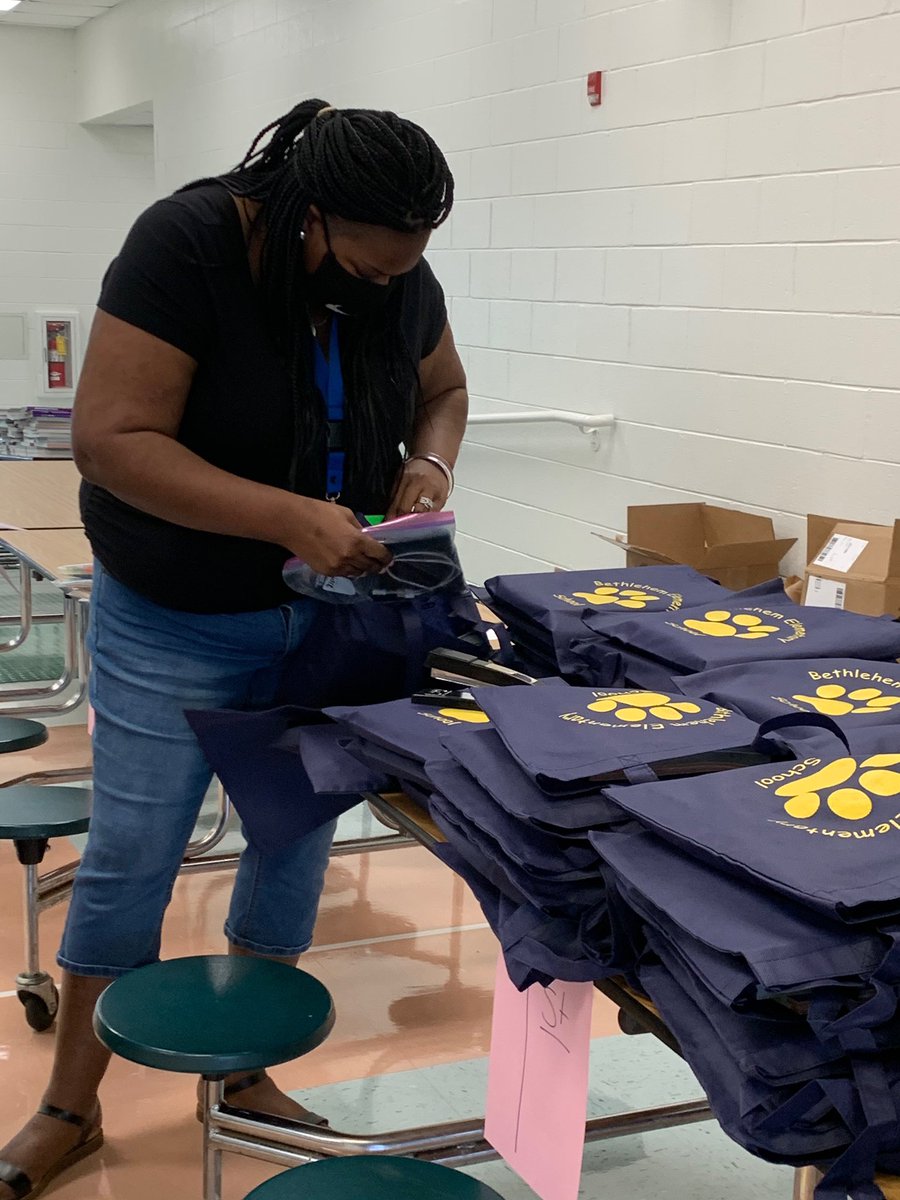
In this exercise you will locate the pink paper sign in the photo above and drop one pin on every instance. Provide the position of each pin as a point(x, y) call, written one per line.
point(538, 1082)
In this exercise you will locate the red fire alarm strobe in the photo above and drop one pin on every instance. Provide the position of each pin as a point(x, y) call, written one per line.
point(595, 88)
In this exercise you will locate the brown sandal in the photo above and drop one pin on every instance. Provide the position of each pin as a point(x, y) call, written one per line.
point(91, 1140)
point(251, 1081)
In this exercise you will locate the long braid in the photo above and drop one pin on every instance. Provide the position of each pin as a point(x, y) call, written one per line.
point(376, 168)
point(365, 166)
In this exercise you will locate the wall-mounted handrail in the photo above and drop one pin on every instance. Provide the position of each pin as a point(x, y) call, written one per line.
point(587, 424)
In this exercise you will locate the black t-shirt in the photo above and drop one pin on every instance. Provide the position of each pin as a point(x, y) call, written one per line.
point(183, 275)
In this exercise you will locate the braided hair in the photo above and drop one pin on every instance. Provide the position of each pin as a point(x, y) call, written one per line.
point(365, 166)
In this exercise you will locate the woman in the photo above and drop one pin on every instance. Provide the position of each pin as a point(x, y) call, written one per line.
point(265, 344)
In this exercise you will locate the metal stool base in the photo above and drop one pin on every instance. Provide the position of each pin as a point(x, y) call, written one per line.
point(455, 1143)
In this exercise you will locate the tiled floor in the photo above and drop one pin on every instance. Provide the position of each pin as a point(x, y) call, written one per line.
point(404, 950)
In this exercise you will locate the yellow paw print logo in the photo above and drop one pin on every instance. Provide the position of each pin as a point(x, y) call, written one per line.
point(621, 598)
point(638, 706)
point(466, 714)
point(835, 701)
point(722, 624)
point(854, 803)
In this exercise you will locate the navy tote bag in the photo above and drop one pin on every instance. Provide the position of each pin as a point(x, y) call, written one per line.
point(772, 946)
point(353, 654)
point(552, 857)
point(260, 769)
point(487, 760)
point(854, 693)
point(566, 872)
point(823, 829)
point(769, 628)
point(546, 609)
point(406, 728)
point(779, 1125)
point(771, 1043)
point(536, 947)
point(569, 900)
point(568, 739)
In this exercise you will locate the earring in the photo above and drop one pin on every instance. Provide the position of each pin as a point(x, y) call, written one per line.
point(302, 235)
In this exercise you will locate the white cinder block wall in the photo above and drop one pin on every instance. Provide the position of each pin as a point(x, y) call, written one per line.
point(67, 193)
point(713, 255)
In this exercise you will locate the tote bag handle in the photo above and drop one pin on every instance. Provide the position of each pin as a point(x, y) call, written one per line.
point(802, 721)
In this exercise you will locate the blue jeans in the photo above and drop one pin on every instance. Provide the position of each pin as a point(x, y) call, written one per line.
point(150, 664)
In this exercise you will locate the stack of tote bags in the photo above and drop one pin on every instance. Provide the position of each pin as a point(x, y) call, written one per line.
point(544, 612)
point(764, 913)
point(517, 787)
point(724, 836)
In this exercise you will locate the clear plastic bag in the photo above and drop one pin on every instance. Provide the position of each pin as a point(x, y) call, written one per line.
point(425, 562)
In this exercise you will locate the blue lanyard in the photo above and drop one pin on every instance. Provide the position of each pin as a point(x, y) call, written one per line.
point(330, 382)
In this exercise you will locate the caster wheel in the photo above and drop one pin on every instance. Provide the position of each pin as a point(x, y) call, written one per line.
point(39, 1015)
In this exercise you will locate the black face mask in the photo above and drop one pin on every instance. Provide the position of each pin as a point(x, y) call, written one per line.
point(334, 287)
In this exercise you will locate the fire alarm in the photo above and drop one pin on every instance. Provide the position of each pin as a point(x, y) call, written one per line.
point(595, 88)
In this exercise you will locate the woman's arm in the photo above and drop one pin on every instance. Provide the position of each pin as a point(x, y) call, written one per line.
point(128, 411)
point(440, 427)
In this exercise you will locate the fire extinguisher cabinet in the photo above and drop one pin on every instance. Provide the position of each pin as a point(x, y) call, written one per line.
point(58, 355)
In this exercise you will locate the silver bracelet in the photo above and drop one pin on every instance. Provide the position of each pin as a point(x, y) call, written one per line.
point(441, 464)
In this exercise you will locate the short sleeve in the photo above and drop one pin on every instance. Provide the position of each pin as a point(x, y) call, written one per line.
point(158, 284)
point(432, 311)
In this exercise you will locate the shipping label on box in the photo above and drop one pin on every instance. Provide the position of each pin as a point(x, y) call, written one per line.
point(840, 552)
point(825, 593)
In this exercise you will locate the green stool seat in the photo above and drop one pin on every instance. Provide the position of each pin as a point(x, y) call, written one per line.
point(213, 1015)
point(29, 813)
point(372, 1177)
point(18, 734)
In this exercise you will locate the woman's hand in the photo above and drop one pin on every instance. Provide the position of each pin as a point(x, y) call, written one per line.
point(329, 538)
point(417, 479)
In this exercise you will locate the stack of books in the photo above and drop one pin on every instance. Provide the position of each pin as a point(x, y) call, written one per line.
point(12, 430)
point(43, 433)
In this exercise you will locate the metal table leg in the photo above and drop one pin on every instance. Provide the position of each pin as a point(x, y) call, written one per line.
point(214, 836)
point(34, 987)
point(26, 611)
point(58, 695)
point(806, 1180)
point(213, 1091)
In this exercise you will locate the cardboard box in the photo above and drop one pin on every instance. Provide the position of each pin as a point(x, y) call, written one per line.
point(793, 587)
point(853, 565)
point(736, 548)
